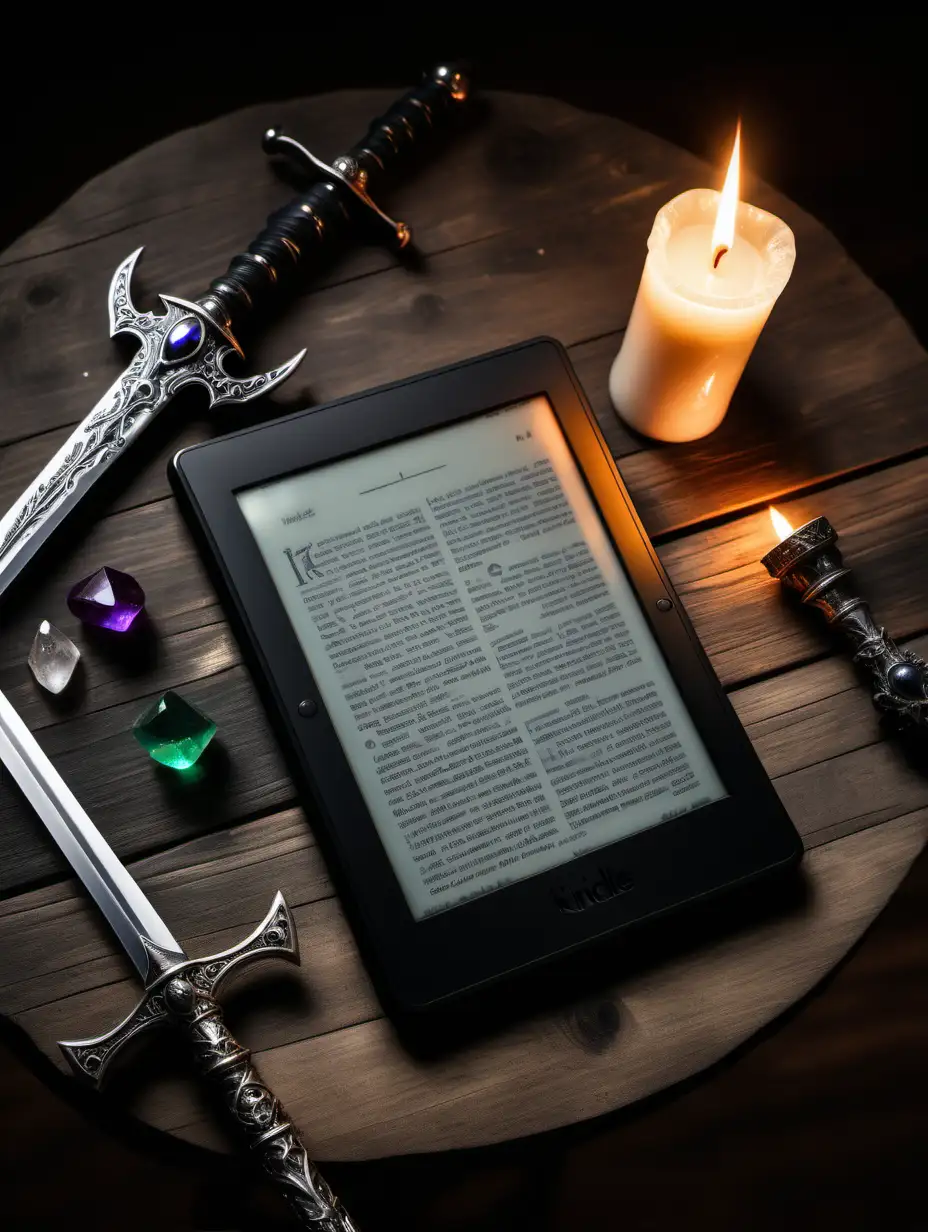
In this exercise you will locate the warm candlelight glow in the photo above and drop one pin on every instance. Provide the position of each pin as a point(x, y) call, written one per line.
point(780, 524)
point(723, 234)
point(702, 301)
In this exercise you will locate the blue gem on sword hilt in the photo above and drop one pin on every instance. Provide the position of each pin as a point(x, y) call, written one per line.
point(189, 343)
point(184, 340)
point(184, 345)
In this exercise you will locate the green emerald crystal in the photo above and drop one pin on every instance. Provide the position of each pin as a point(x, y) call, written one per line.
point(173, 731)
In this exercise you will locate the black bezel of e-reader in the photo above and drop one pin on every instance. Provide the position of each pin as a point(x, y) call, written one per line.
point(421, 963)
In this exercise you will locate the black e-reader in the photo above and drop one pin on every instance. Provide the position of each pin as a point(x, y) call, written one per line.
point(508, 737)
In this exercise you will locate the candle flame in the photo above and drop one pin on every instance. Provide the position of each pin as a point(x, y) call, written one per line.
point(723, 234)
point(780, 524)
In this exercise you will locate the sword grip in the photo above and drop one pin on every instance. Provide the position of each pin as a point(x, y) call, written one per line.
point(185, 995)
point(309, 232)
point(402, 130)
point(257, 1113)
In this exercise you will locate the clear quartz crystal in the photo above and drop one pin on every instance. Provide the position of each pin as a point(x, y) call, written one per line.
point(53, 658)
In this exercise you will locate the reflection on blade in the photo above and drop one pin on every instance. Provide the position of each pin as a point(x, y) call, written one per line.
point(117, 895)
point(122, 411)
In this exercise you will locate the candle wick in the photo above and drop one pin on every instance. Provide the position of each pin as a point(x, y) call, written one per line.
point(719, 253)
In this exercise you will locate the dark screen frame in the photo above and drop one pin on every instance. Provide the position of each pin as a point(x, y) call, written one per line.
point(418, 964)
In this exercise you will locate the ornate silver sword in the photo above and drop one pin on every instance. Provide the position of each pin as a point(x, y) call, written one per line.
point(190, 343)
point(192, 340)
point(178, 990)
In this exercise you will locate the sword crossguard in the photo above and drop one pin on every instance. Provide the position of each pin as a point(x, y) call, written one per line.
point(188, 344)
point(275, 936)
point(345, 170)
point(184, 994)
point(185, 345)
point(390, 137)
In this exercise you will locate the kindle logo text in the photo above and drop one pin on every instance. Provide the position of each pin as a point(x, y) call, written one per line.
point(609, 884)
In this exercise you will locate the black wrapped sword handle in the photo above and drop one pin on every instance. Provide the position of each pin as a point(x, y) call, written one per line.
point(185, 995)
point(310, 229)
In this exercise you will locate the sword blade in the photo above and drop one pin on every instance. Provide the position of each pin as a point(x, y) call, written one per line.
point(116, 893)
point(119, 415)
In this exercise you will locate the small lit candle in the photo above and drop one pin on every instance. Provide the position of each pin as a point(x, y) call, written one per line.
point(714, 269)
point(807, 560)
point(782, 526)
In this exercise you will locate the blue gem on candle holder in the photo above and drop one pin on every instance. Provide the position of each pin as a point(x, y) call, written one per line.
point(906, 680)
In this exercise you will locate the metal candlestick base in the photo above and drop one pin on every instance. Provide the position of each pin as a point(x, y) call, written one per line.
point(809, 561)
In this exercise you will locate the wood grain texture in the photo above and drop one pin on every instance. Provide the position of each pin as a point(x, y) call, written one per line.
point(541, 193)
point(748, 626)
point(359, 1094)
point(836, 735)
point(543, 232)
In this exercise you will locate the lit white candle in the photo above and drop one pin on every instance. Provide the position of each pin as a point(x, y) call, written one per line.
point(714, 269)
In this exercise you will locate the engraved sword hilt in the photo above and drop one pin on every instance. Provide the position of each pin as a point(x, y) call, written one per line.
point(191, 341)
point(180, 347)
point(185, 995)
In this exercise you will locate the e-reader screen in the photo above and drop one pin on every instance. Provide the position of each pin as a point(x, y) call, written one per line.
point(481, 653)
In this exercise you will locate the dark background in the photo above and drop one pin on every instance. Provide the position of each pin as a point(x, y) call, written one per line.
point(818, 1123)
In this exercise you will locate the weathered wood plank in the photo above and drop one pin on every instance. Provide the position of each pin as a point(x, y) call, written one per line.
point(751, 626)
point(829, 759)
point(789, 437)
point(55, 301)
point(139, 804)
point(747, 625)
point(851, 399)
point(671, 1022)
point(214, 180)
point(219, 899)
point(150, 542)
point(854, 400)
point(105, 680)
point(809, 714)
point(543, 232)
point(410, 320)
point(667, 1022)
point(140, 478)
point(241, 862)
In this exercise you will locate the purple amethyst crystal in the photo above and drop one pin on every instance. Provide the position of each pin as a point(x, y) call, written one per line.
point(108, 599)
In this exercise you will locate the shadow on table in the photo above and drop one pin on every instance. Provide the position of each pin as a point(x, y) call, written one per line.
point(580, 987)
point(764, 446)
point(909, 739)
point(135, 652)
point(198, 794)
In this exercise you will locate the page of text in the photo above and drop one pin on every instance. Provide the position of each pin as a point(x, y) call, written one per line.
point(492, 679)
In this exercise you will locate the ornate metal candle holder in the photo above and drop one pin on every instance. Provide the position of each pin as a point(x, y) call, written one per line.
point(808, 561)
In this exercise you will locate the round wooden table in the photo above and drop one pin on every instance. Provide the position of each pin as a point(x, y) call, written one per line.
point(536, 224)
